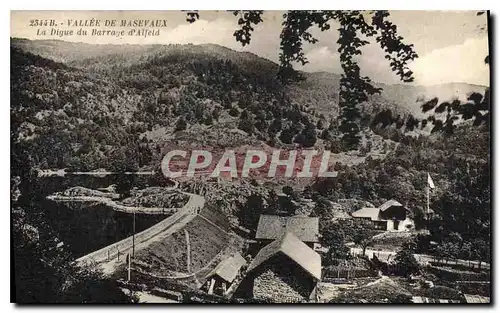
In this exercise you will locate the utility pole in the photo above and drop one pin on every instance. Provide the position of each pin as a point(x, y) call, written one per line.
point(128, 272)
point(428, 200)
point(133, 238)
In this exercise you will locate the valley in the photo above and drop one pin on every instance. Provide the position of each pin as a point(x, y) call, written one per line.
point(117, 110)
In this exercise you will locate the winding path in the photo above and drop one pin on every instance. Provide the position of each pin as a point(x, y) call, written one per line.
point(112, 204)
point(120, 207)
point(110, 257)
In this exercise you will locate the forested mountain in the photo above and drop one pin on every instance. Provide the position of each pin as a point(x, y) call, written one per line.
point(319, 91)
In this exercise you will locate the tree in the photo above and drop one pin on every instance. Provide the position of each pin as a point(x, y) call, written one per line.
point(249, 213)
point(465, 213)
point(234, 112)
point(89, 286)
point(322, 208)
point(307, 136)
point(321, 123)
point(400, 298)
point(336, 250)
point(358, 231)
point(44, 272)
point(333, 237)
point(288, 190)
point(261, 123)
point(287, 135)
point(246, 122)
point(181, 124)
point(354, 89)
point(406, 260)
point(124, 184)
point(481, 251)
point(477, 109)
point(363, 234)
point(275, 127)
point(288, 205)
point(208, 120)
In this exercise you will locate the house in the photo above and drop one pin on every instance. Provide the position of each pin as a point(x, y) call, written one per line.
point(286, 270)
point(272, 227)
point(221, 278)
point(391, 216)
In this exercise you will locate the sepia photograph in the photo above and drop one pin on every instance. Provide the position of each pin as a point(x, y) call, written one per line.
point(250, 156)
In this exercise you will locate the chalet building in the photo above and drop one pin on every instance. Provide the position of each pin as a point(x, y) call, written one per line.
point(222, 277)
point(272, 227)
point(286, 270)
point(391, 216)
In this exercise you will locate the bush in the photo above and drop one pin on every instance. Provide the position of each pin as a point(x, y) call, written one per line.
point(181, 124)
point(307, 137)
point(246, 123)
point(287, 135)
point(234, 112)
point(406, 260)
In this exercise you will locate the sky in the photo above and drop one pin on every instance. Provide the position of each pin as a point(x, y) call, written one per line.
point(451, 45)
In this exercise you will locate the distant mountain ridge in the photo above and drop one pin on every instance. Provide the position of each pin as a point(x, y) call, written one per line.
point(319, 91)
point(399, 97)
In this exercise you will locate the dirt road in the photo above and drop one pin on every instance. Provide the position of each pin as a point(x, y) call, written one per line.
point(421, 258)
point(143, 239)
point(112, 204)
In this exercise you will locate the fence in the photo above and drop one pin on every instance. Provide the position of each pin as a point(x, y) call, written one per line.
point(348, 273)
point(289, 300)
point(481, 288)
point(456, 275)
point(470, 266)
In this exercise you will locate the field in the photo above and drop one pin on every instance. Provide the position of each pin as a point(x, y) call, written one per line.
point(206, 242)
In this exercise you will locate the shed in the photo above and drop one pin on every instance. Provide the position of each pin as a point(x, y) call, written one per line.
point(286, 270)
point(229, 268)
point(220, 279)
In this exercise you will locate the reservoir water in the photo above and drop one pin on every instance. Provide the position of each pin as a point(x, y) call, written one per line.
point(86, 227)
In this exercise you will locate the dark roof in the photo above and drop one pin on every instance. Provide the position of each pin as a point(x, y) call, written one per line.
point(228, 269)
point(389, 204)
point(294, 249)
point(273, 227)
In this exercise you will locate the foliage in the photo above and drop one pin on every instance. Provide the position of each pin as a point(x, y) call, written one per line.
point(400, 298)
point(406, 260)
point(354, 89)
point(249, 213)
point(307, 137)
point(335, 234)
point(476, 108)
point(44, 272)
point(89, 286)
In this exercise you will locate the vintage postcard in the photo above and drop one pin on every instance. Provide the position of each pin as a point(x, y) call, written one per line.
point(250, 157)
